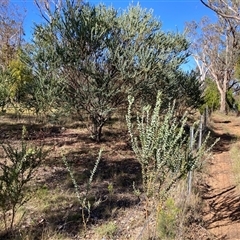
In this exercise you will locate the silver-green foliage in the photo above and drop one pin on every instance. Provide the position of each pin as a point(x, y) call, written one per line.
point(162, 147)
point(83, 198)
point(104, 55)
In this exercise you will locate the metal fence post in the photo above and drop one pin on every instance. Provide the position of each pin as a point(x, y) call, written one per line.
point(200, 132)
point(191, 149)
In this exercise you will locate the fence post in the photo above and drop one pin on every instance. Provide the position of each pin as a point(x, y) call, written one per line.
point(200, 132)
point(191, 149)
point(205, 118)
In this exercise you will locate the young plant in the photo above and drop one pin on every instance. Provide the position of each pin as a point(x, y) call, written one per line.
point(167, 220)
point(16, 171)
point(162, 147)
point(83, 199)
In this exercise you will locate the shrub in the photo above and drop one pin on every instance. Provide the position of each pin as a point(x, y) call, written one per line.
point(163, 149)
point(160, 146)
point(211, 96)
point(16, 171)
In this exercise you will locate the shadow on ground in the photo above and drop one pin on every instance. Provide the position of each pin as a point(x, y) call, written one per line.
point(112, 186)
point(224, 204)
point(225, 209)
point(225, 140)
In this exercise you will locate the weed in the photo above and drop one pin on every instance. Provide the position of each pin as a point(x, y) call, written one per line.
point(162, 148)
point(83, 199)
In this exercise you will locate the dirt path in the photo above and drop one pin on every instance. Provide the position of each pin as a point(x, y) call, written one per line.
point(222, 197)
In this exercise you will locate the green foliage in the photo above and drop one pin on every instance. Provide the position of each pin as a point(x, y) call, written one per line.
point(20, 75)
point(15, 173)
point(211, 96)
point(167, 220)
point(43, 92)
point(187, 93)
point(107, 230)
point(232, 102)
point(5, 79)
point(13, 81)
point(83, 198)
point(237, 69)
point(104, 55)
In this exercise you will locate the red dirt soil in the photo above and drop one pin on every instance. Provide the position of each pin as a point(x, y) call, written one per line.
point(222, 198)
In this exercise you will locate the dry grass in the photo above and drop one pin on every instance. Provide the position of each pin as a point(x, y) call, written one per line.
point(53, 211)
point(235, 159)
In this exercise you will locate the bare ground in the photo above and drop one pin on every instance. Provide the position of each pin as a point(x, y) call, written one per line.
point(222, 197)
point(54, 211)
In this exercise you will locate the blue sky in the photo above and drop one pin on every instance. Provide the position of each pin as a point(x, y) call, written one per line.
point(172, 13)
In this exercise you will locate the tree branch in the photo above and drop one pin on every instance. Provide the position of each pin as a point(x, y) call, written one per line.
point(218, 11)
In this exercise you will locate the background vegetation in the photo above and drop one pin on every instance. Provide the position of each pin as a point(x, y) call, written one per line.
point(73, 85)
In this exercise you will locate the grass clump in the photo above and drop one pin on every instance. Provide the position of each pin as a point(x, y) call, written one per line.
point(107, 230)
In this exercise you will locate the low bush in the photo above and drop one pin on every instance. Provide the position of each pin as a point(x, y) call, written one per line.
point(16, 171)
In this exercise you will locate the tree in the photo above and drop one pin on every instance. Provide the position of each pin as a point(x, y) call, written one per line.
point(5, 79)
point(11, 31)
point(228, 9)
point(20, 75)
point(104, 55)
point(215, 46)
point(46, 7)
point(211, 96)
point(42, 91)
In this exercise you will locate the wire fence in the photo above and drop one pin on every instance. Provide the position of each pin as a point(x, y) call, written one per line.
point(201, 129)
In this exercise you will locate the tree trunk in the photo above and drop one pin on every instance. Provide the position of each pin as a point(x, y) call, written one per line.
point(97, 132)
point(223, 102)
point(97, 125)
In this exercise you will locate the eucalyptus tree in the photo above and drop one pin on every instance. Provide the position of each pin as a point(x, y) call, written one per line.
point(104, 55)
point(228, 9)
point(215, 47)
